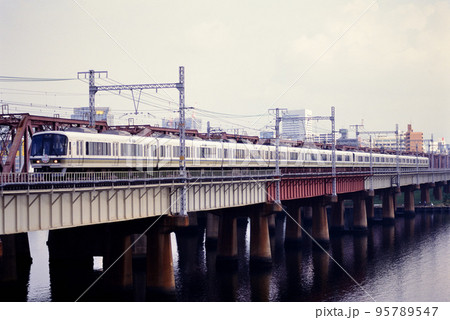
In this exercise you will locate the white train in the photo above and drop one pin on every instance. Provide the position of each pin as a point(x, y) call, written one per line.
point(63, 151)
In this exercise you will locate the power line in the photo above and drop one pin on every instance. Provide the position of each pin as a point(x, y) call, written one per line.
point(37, 92)
point(28, 79)
point(119, 45)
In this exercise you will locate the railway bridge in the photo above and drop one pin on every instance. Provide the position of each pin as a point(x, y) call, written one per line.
point(100, 213)
point(97, 214)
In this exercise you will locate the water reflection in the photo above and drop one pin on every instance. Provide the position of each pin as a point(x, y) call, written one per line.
point(391, 263)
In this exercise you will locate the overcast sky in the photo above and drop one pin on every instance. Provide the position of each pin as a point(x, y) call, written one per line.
point(385, 62)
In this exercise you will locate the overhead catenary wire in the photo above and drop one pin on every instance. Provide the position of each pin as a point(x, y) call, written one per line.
point(29, 79)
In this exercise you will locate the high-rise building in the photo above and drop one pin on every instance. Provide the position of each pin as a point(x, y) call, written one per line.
point(101, 114)
point(413, 140)
point(295, 128)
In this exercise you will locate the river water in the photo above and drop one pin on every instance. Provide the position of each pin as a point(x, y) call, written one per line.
point(406, 262)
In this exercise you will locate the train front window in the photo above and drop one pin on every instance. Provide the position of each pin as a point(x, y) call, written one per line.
point(49, 144)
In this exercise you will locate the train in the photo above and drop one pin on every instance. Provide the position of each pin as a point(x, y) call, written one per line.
point(69, 151)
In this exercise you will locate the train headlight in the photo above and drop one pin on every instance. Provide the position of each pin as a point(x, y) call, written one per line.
point(55, 161)
point(38, 161)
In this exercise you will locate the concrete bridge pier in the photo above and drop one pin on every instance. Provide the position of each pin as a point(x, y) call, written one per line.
point(160, 274)
point(14, 254)
point(409, 208)
point(260, 252)
point(119, 253)
point(447, 187)
point(437, 192)
point(425, 194)
point(227, 249)
point(320, 222)
point(359, 213)
point(388, 207)
point(15, 265)
point(15, 245)
point(307, 215)
point(212, 230)
point(293, 232)
point(271, 220)
point(370, 208)
point(337, 217)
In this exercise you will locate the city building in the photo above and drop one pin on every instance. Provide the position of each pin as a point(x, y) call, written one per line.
point(101, 114)
point(345, 140)
point(442, 147)
point(192, 123)
point(389, 142)
point(267, 135)
point(413, 140)
point(326, 138)
point(295, 128)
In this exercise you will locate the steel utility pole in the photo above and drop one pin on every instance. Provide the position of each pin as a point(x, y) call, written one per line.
point(93, 89)
point(331, 118)
point(182, 111)
point(92, 92)
point(277, 153)
point(397, 147)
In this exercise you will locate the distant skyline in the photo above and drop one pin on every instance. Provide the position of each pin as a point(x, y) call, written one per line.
point(385, 62)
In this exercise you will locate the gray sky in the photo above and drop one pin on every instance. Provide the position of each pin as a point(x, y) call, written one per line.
point(384, 62)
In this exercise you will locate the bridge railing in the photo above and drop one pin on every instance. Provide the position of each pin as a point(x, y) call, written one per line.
point(35, 178)
point(17, 178)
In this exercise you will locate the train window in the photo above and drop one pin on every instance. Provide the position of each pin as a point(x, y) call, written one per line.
point(347, 158)
point(162, 152)
point(240, 154)
point(360, 158)
point(49, 144)
point(366, 159)
point(226, 154)
point(293, 156)
point(339, 157)
point(324, 157)
point(382, 159)
point(98, 148)
point(176, 151)
point(207, 153)
point(377, 159)
point(70, 148)
point(282, 155)
point(313, 157)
